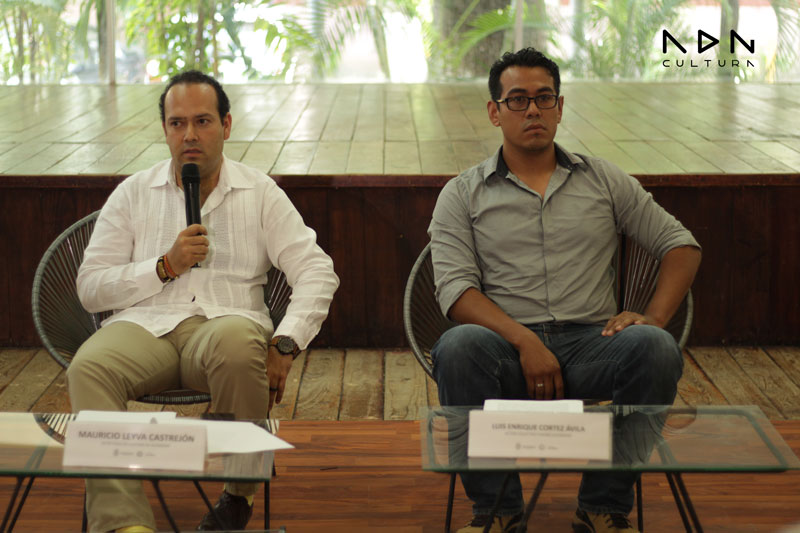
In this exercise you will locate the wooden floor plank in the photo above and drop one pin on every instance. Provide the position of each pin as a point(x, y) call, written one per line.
point(55, 398)
point(369, 126)
point(330, 158)
point(285, 118)
point(342, 119)
point(150, 156)
point(731, 380)
point(117, 158)
point(469, 153)
point(437, 157)
point(401, 158)
point(399, 121)
point(727, 155)
point(611, 151)
point(20, 154)
point(694, 388)
point(262, 155)
point(362, 385)
point(780, 152)
point(82, 157)
point(295, 158)
point(235, 150)
point(12, 361)
point(365, 157)
point(428, 122)
point(649, 157)
point(406, 390)
point(685, 158)
point(788, 358)
point(770, 378)
point(32, 381)
point(312, 121)
point(457, 124)
point(321, 389)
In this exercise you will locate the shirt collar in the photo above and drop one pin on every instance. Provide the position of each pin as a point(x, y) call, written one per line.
point(497, 164)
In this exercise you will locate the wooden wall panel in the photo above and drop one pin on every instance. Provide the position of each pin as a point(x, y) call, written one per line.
point(313, 207)
point(745, 291)
point(348, 314)
point(706, 212)
point(784, 266)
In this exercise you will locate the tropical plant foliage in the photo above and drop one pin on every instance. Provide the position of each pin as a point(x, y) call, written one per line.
point(305, 40)
point(620, 37)
point(448, 46)
point(182, 34)
point(35, 45)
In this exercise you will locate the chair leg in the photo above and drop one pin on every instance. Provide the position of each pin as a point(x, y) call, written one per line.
point(639, 505)
point(450, 494)
point(85, 519)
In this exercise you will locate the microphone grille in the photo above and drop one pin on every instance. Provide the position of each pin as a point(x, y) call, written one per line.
point(190, 172)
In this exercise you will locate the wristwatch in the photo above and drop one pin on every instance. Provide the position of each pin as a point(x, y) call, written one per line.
point(285, 346)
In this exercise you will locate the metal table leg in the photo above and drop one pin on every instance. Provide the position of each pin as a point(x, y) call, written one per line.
point(21, 503)
point(521, 528)
point(11, 502)
point(450, 495)
point(208, 504)
point(497, 501)
point(164, 506)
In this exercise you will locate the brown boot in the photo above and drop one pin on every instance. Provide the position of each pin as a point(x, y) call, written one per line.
point(585, 522)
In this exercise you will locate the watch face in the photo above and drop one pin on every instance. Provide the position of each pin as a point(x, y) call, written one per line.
point(285, 345)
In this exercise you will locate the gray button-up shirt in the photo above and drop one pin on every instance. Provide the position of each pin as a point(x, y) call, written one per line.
point(544, 259)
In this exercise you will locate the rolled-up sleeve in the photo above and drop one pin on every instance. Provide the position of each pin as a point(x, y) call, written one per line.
point(641, 218)
point(455, 262)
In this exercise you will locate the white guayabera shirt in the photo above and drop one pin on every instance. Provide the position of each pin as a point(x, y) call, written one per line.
point(252, 225)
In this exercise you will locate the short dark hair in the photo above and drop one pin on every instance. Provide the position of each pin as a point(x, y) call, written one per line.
point(527, 57)
point(195, 76)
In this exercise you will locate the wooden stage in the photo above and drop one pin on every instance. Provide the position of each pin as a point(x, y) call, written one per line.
point(397, 131)
point(365, 163)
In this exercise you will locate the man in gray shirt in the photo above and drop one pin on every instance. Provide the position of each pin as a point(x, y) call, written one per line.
point(522, 247)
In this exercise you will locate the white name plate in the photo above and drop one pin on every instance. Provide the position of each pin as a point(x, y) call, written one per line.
point(539, 435)
point(118, 445)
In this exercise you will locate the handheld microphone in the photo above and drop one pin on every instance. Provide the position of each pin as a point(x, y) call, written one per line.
point(190, 176)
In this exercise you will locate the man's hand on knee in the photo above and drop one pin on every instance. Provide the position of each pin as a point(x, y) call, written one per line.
point(542, 372)
point(627, 318)
point(278, 366)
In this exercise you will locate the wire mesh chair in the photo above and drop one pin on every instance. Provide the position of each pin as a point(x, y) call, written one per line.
point(63, 324)
point(636, 281)
point(637, 272)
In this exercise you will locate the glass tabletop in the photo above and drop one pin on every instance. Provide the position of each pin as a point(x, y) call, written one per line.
point(644, 438)
point(31, 444)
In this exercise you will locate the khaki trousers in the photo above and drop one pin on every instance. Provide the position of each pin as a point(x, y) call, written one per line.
point(224, 356)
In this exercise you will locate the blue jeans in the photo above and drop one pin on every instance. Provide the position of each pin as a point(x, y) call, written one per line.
point(640, 365)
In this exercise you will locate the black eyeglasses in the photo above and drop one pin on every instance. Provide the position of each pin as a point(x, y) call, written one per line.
point(522, 103)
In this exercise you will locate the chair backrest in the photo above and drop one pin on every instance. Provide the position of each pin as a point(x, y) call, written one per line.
point(63, 324)
point(636, 278)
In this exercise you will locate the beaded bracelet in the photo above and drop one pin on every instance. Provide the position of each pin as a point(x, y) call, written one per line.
point(162, 270)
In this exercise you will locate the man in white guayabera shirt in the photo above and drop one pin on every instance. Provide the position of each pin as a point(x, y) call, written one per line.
point(203, 328)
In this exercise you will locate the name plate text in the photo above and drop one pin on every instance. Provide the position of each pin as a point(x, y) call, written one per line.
point(145, 446)
point(505, 434)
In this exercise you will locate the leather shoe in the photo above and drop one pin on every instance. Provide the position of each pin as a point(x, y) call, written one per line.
point(234, 511)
